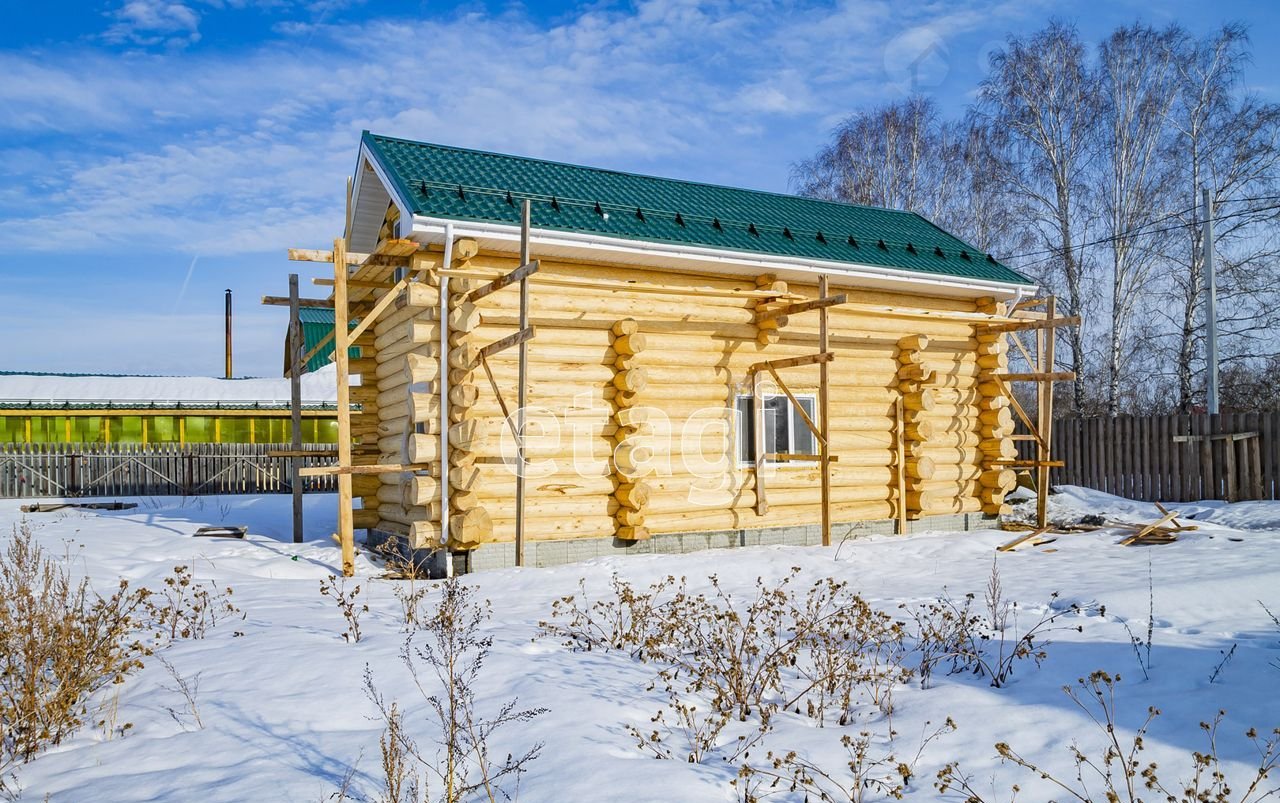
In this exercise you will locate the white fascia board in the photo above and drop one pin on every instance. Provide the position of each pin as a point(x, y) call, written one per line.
point(406, 211)
point(502, 237)
point(356, 178)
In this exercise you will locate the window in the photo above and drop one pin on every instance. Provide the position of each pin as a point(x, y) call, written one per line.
point(785, 431)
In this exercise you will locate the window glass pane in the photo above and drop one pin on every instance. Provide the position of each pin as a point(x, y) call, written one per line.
point(785, 431)
point(44, 429)
point(804, 440)
point(776, 438)
point(746, 431)
point(235, 429)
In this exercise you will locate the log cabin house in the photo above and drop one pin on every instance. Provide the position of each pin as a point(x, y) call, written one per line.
point(695, 365)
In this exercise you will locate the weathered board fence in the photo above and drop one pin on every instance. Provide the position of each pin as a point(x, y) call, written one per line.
point(1232, 456)
point(193, 469)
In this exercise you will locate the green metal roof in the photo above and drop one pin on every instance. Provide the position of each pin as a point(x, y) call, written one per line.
point(460, 184)
point(317, 323)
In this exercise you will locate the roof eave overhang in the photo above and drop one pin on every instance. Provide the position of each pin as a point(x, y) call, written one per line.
point(582, 245)
point(368, 156)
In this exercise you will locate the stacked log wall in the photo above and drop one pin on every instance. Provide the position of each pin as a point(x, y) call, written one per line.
point(403, 385)
point(626, 468)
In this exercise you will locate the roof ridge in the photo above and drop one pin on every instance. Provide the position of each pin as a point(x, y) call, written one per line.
point(647, 176)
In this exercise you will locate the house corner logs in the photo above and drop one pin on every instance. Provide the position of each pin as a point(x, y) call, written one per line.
point(767, 333)
point(917, 429)
point(995, 421)
point(368, 424)
point(407, 373)
point(469, 521)
point(631, 454)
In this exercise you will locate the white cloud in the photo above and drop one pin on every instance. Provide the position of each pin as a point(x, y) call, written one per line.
point(118, 169)
point(214, 154)
point(152, 22)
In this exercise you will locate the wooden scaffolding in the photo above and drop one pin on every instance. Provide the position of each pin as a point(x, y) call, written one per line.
point(1040, 358)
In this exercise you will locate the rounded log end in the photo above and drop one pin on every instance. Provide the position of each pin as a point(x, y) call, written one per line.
point(470, 528)
point(768, 337)
point(923, 467)
point(914, 343)
point(465, 248)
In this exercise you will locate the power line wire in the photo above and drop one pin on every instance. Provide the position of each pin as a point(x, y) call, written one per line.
point(1138, 231)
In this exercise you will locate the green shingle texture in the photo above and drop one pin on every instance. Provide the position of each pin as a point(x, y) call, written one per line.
point(467, 185)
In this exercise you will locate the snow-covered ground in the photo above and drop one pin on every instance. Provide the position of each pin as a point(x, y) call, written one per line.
point(285, 715)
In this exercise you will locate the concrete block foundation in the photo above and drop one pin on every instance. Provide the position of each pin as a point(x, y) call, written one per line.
point(558, 553)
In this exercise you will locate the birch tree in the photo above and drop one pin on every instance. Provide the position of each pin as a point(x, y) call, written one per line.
point(1136, 90)
point(1085, 174)
point(884, 156)
point(903, 155)
point(1229, 141)
point(1037, 111)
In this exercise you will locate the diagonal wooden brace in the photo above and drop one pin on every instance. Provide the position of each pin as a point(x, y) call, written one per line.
point(799, 408)
point(387, 299)
point(522, 272)
point(513, 339)
point(804, 306)
point(792, 362)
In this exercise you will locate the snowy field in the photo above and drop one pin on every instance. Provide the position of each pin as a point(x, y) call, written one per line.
point(285, 716)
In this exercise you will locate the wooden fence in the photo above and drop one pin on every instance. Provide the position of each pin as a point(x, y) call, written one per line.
point(1233, 456)
point(96, 469)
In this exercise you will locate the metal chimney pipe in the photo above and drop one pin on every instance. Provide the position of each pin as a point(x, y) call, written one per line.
point(228, 333)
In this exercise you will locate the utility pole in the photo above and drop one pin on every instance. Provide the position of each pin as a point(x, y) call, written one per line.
point(229, 333)
point(1211, 306)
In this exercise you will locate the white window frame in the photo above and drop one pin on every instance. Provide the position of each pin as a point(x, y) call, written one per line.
point(794, 425)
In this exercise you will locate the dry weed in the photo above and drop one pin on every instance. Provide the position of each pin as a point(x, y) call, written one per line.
point(955, 632)
point(454, 652)
point(347, 603)
point(1117, 773)
point(868, 774)
point(60, 644)
point(187, 608)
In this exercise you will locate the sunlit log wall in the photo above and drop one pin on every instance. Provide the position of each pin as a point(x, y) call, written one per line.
point(632, 422)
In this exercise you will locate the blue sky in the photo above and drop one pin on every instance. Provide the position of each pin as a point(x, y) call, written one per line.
point(155, 152)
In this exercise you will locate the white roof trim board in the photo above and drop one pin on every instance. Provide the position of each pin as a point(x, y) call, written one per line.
point(580, 245)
